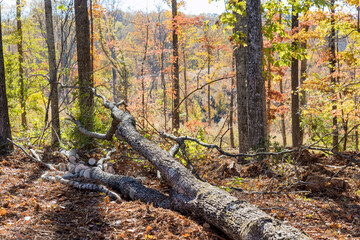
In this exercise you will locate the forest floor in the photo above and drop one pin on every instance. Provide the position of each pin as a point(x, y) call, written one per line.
point(32, 208)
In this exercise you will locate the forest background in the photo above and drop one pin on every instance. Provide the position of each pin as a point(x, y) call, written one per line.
point(194, 75)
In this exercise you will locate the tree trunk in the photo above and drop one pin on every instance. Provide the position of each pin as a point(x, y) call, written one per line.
point(5, 129)
point(142, 76)
point(235, 217)
point(113, 71)
point(209, 89)
point(303, 76)
point(163, 83)
point(332, 61)
point(92, 48)
point(21, 64)
point(295, 109)
point(255, 80)
point(176, 82)
point(231, 117)
point(185, 88)
point(282, 116)
point(54, 94)
point(86, 100)
point(240, 55)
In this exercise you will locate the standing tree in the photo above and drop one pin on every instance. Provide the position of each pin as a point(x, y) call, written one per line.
point(240, 55)
point(255, 81)
point(295, 109)
point(176, 81)
point(86, 100)
point(54, 95)
point(5, 128)
point(21, 64)
point(332, 61)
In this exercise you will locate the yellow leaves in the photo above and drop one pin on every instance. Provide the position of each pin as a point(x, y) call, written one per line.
point(2, 212)
point(353, 2)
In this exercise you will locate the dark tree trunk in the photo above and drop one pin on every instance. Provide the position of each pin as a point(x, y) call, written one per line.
point(255, 80)
point(86, 100)
point(295, 109)
point(240, 55)
point(332, 61)
point(54, 94)
point(92, 49)
point(21, 64)
point(176, 82)
point(5, 129)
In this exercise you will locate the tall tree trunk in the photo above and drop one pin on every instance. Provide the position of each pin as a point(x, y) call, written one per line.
point(240, 55)
point(231, 117)
point(303, 76)
point(295, 109)
point(255, 80)
point(282, 117)
point(209, 89)
point(142, 76)
point(176, 82)
point(332, 61)
point(64, 64)
point(114, 76)
point(163, 83)
point(21, 64)
point(185, 87)
point(86, 100)
point(54, 94)
point(5, 128)
point(92, 49)
point(268, 100)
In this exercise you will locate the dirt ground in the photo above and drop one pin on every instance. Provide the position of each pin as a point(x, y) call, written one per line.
point(33, 208)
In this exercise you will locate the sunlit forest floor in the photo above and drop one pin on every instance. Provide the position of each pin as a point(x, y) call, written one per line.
point(32, 208)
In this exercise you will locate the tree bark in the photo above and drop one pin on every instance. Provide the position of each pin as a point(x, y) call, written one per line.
point(254, 76)
point(282, 117)
point(54, 94)
point(240, 54)
point(235, 217)
point(231, 112)
point(185, 87)
point(86, 100)
point(295, 109)
point(21, 64)
point(176, 81)
point(332, 61)
point(303, 76)
point(5, 129)
point(208, 88)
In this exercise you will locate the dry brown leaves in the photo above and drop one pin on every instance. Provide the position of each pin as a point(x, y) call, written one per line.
point(31, 208)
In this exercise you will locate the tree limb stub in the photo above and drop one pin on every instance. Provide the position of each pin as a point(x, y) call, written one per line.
point(237, 218)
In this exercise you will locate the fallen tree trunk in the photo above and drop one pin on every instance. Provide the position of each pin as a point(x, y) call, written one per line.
point(236, 218)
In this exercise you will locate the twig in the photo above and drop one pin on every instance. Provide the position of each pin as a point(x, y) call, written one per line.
point(201, 87)
point(36, 158)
